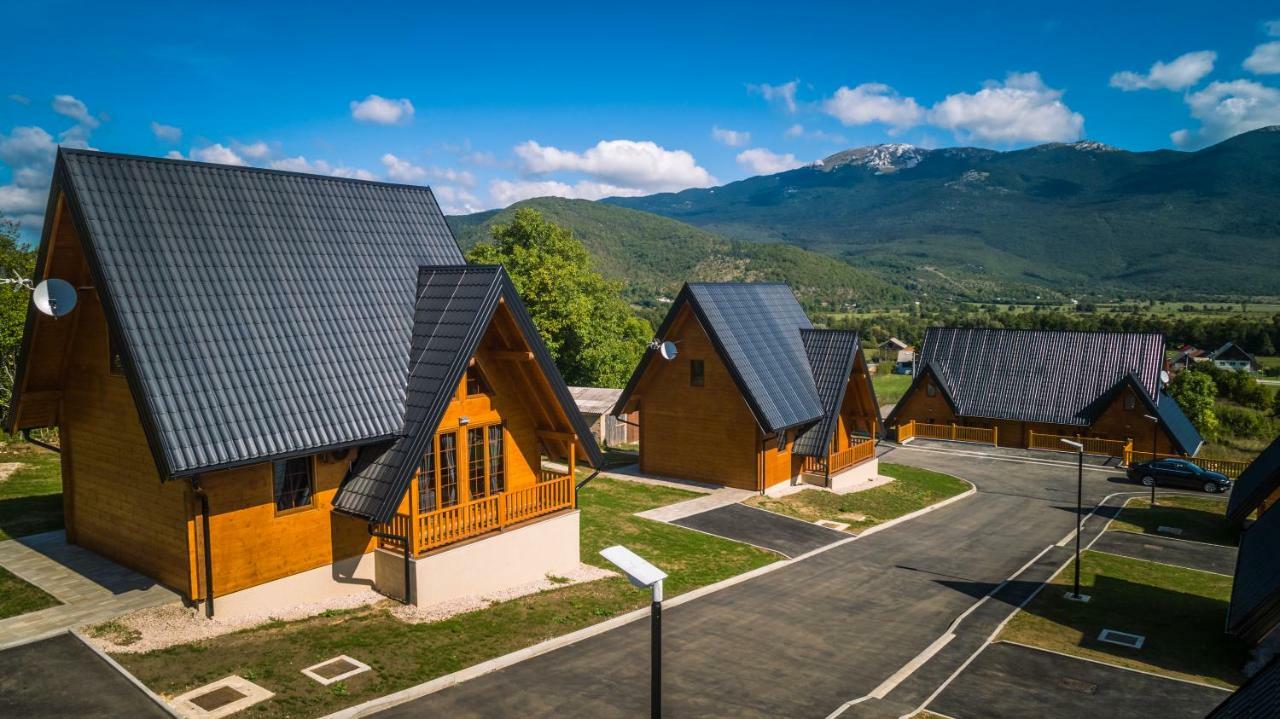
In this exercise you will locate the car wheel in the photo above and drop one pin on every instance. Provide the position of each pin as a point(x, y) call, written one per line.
point(1210, 487)
point(1148, 481)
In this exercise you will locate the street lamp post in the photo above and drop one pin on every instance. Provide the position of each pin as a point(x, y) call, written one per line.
point(643, 574)
point(1155, 433)
point(1076, 596)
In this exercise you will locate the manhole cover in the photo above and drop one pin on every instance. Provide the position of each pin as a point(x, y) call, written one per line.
point(839, 526)
point(1124, 639)
point(217, 698)
point(1175, 531)
point(1077, 685)
point(334, 668)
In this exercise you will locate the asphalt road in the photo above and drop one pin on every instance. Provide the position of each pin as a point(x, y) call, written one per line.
point(61, 677)
point(787, 536)
point(802, 640)
point(1167, 550)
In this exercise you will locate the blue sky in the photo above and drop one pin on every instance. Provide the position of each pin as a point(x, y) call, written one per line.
point(489, 104)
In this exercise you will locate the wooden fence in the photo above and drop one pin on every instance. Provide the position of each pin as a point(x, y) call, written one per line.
point(1092, 445)
point(951, 432)
point(1230, 467)
point(842, 460)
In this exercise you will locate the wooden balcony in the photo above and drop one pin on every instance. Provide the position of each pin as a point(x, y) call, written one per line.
point(949, 432)
point(856, 454)
point(432, 530)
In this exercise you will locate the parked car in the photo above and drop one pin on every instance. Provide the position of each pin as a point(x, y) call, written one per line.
point(1179, 473)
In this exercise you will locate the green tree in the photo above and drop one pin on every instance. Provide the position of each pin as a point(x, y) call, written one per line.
point(16, 260)
point(589, 328)
point(1195, 394)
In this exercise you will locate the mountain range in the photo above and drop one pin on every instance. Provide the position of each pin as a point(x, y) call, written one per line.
point(1056, 220)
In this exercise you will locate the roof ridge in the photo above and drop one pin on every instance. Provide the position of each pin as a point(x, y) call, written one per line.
point(1025, 329)
point(251, 169)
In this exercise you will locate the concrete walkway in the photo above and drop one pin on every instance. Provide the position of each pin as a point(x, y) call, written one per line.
point(91, 588)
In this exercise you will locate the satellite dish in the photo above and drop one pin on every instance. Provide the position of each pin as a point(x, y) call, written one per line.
point(668, 350)
point(1164, 377)
point(54, 297)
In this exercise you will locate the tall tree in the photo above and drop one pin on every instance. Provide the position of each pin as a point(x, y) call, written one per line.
point(591, 332)
point(16, 260)
point(1195, 393)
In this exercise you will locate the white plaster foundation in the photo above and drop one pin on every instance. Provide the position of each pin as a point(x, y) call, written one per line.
point(344, 577)
point(485, 566)
point(854, 479)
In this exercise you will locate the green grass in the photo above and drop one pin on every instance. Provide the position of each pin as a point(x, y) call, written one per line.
point(1201, 519)
point(18, 596)
point(890, 387)
point(912, 489)
point(31, 497)
point(402, 655)
point(1179, 611)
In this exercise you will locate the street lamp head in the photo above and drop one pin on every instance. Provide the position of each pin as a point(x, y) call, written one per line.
point(1079, 446)
point(640, 572)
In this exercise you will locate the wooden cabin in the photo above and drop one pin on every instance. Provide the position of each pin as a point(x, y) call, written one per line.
point(1020, 386)
point(1257, 489)
point(1254, 612)
point(755, 398)
point(278, 387)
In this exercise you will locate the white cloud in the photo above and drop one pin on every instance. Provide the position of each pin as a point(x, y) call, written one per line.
point(20, 99)
point(760, 161)
point(29, 152)
point(732, 138)
point(1020, 109)
point(784, 94)
point(455, 200)
point(449, 174)
point(1178, 74)
point(74, 109)
point(219, 154)
point(27, 146)
point(1265, 59)
point(16, 200)
point(506, 192)
point(399, 170)
point(623, 163)
point(873, 102)
point(174, 155)
point(1230, 108)
point(320, 167)
point(382, 111)
point(798, 131)
point(255, 150)
point(1272, 27)
point(1181, 137)
point(167, 133)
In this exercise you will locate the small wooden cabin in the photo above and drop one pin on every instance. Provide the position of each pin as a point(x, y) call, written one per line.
point(1094, 384)
point(279, 387)
point(1254, 612)
point(1257, 489)
point(756, 398)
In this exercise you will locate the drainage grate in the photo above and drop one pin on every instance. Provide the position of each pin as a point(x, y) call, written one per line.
point(1124, 639)
point(1077, 685)
point(1175, 531)
point(334, 670)
point(838, 526)
point(217, 698)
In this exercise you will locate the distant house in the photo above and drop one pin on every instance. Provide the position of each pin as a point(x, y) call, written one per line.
point(1258, 486)
point(905, 362)
point(1231, 356)
point(893, 344)
point(279, 387)
point(1186, 356)
point(1254, 612)
point(756, 398)
point(595, 404)
point(1098, 384)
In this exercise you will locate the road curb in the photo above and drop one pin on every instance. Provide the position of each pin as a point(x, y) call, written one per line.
point(156, 698)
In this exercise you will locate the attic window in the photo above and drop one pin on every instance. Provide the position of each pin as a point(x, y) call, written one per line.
point(930, 389)
point(697, 373)
point(476, 383)
point(1130, 401)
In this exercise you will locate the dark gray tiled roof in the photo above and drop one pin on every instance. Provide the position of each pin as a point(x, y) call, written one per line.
point(1255, 699)
point(262, 313)
point(831, 356)
point(1255, 591)
point(1036, 375)
point(453, 309)
point(1183, 433)
point(1257, 482)
point(757, 328)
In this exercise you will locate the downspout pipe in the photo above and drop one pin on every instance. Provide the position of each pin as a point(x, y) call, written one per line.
point(208, 545)
point(408, 565)
point(26, 434)
point(583, 483)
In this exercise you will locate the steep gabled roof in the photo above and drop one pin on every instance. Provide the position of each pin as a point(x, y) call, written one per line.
point(1255, 591)
point(1038, 375)
point(453, 310)
point(1257, 697)
point(259, 313)
point(1258, 481)
point(756, 330)
point(831, 354)
point(1229, 349)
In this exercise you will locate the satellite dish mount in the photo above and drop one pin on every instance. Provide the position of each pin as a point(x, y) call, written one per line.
point(666, 349)
point(54, 297)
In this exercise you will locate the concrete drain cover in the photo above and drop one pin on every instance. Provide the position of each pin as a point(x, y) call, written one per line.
point(1124, 639)
point(219, 699)
point(1175, 531)
point(1077, 685)
point(838, 526)
point(336, 669)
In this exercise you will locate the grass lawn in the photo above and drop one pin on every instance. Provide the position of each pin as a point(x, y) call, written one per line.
point(1179, 611)
point(912, 489)
point(402, 655)
point(31, 497)
point(890, 387)
point(1200, 518)
point(18, 596)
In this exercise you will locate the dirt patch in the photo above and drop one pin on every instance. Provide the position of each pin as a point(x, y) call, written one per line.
point(8, 468)
point(444, 610)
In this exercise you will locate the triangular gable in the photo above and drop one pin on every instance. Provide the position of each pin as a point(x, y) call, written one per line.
point(832, 355)
point(1259, 480)
point(925, 370)
point(454, 309)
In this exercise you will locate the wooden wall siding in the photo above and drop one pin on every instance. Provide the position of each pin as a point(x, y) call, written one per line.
point(1116, 422)
point(780, 465)
point(858, 412)
point(706, 433)
point(919, 406)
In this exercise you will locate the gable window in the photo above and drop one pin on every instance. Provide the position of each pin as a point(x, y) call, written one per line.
point(427, 479)
point(782, 441)
point(448, 469)
point(476, 383)
point(294, 484)
point(475, 462)
point(1130, 401)
point(497, 460)
point(697, 373)
point(930, 389)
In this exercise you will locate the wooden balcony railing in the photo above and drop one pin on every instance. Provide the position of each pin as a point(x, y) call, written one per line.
point(441, 527)
point(952, 432)
point(1092, 445)
point(842, 460)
